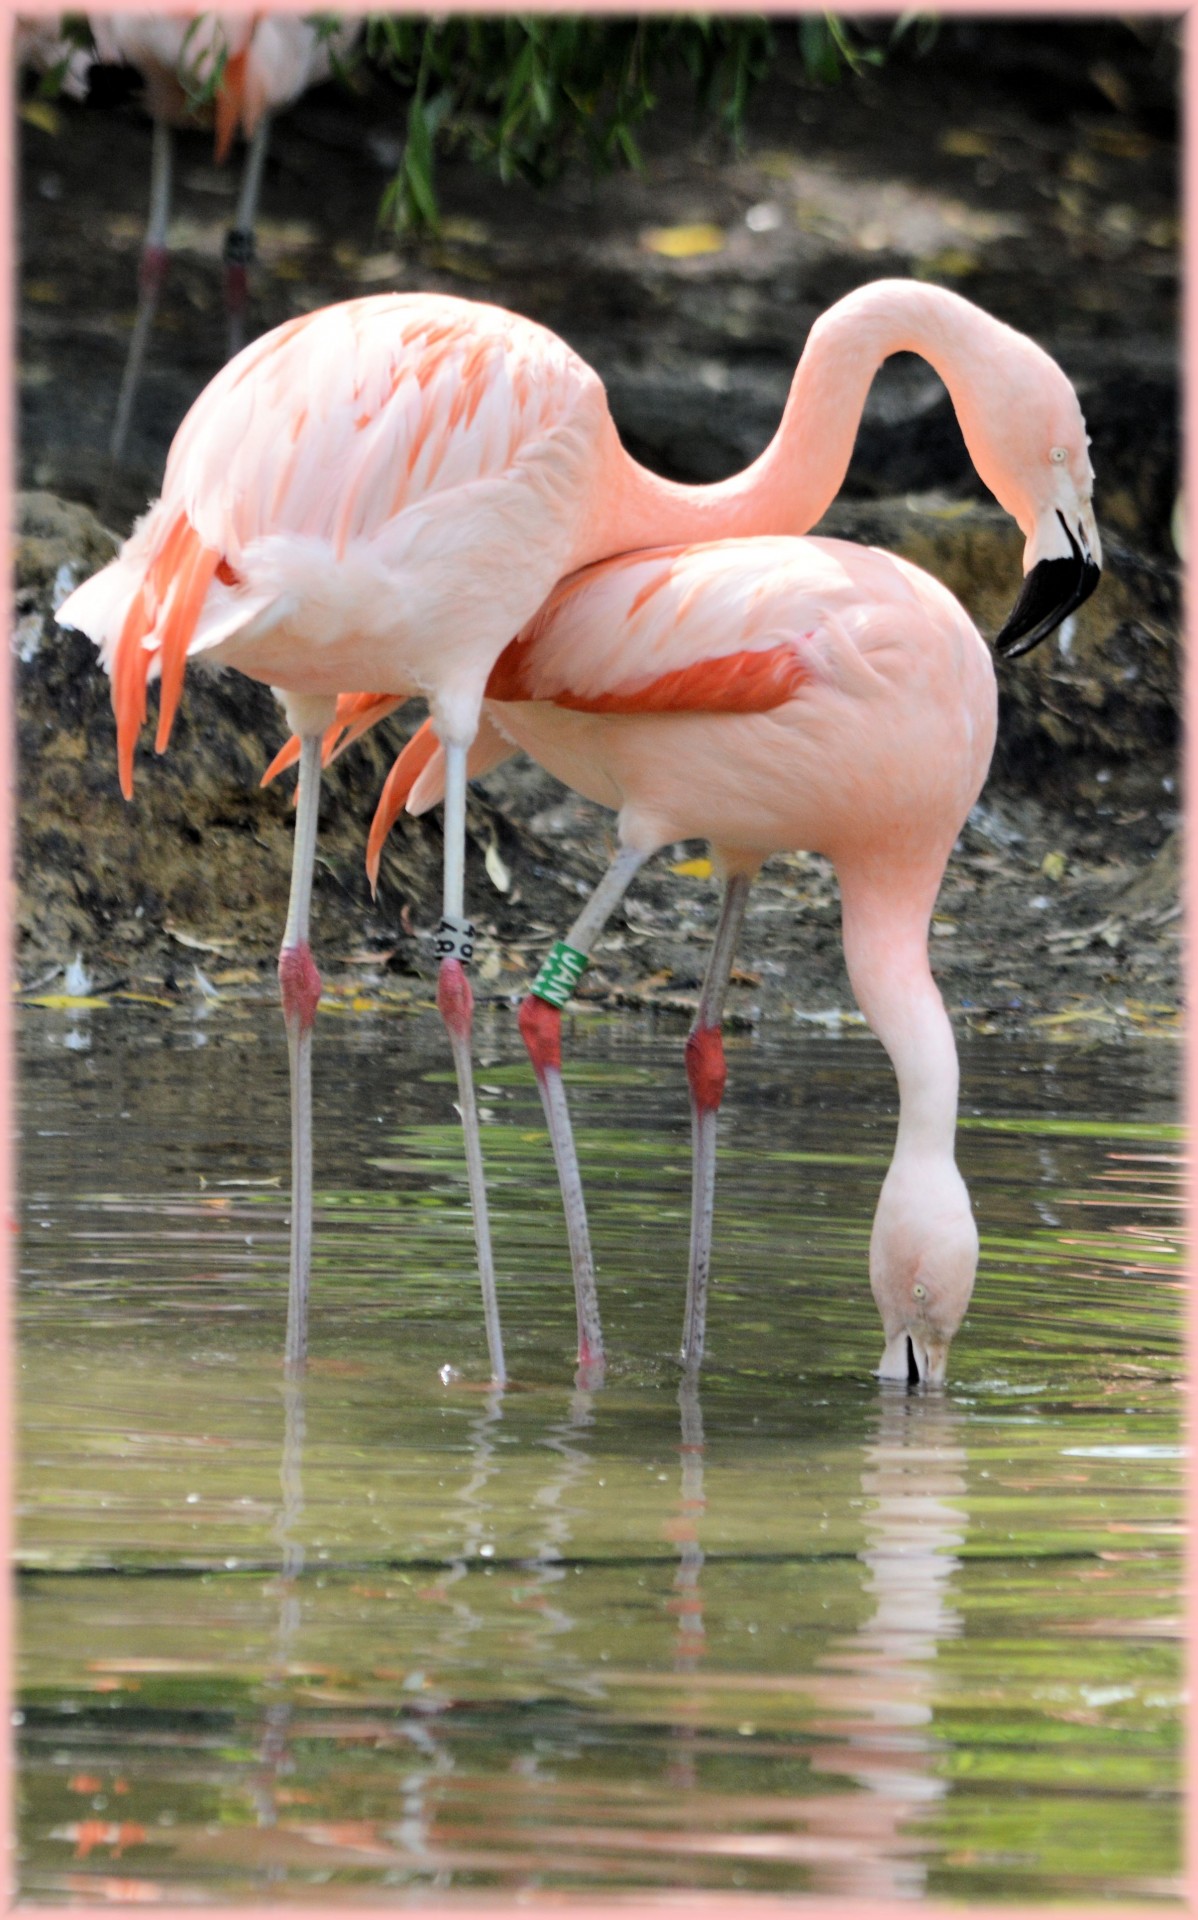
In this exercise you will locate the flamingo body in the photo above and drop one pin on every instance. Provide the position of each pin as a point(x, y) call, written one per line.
point(879, 724)
point(872, 753)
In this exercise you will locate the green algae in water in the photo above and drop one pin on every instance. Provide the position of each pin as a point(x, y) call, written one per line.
point(392, 1632)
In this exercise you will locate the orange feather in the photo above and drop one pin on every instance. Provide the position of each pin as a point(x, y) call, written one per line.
point(400, 781)
point(178, 577)
point(130, 666)
point(746, 682)
point(286, 757)
point(230, 98)
point(356, 714)
point(192, 581)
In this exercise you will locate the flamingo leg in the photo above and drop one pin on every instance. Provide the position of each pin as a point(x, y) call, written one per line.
point(299, 987)
point(541, 1030)
point(240, 249)
point(151, 277)
point(707, 1073)
point(455, 944)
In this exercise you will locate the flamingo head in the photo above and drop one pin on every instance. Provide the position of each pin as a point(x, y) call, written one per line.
point(1027, 438)
point(923, 1257)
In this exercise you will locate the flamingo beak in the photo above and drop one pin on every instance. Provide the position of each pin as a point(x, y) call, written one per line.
point(1052, 590)
point(913, 1360)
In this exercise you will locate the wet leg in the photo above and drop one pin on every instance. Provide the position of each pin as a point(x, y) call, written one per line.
point(455, 944)
point(299, 987)
point(240, 251)
point(706, 1072)
point(541, 1029)
point(151, 277)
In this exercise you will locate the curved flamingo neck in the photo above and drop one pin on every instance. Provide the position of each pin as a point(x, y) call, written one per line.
point(790, 486)
point(885, 921)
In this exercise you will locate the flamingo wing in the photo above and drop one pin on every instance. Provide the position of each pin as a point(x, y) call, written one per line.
point(408, 439)
point(334, 426)
point(695, 629)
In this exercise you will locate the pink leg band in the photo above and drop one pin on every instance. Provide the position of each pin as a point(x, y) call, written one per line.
point(299, 985)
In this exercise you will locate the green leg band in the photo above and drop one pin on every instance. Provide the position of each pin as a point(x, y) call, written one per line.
point(563, 968)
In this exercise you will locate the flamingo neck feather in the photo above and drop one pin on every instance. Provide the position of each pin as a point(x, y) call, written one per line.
point(793, 482)
point(885, 926)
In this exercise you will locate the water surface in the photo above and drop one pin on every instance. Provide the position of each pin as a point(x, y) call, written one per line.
point(387, 1630)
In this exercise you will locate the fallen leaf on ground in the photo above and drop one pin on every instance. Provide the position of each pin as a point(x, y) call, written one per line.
point(683, 243)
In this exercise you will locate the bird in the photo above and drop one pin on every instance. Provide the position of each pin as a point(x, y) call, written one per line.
point(235, 70)
point(42, 44)
point(766, 695)
point(371, 500)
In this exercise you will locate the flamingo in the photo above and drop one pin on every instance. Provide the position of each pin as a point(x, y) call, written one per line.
point(380, 494)
point(764, 695)
point(41, 44)
point(261, 62)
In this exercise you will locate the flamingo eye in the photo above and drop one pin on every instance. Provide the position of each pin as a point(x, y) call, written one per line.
point(1059, 454)
point(919, 1290)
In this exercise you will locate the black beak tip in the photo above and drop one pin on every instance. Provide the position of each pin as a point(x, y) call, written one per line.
point(1050, 593)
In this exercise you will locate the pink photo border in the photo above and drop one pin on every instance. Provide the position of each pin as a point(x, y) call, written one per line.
point(557, 1907)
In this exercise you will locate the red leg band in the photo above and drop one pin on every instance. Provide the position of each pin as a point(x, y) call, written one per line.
point(151, 271)
point(299, 985)
point(541, 1031)
point(455, 1002)
point(705, 1067)
point(236, 288)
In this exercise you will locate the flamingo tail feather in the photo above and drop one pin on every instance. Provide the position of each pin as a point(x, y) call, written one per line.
point(421, 748)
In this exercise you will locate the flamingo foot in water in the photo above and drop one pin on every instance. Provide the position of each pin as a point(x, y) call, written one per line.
point(455, 1002)
point(299, 989)
point(707, 1073)
point(541, 1031)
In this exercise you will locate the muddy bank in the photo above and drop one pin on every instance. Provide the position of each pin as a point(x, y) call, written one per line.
point(690, 287)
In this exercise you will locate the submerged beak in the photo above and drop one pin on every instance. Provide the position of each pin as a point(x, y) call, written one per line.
point(1052, 590)
point(914, 1361)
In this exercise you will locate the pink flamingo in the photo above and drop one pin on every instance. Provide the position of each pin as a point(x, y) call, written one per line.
point(379, 495)
point(763, 695)
point(260, 62)
point(41, 44)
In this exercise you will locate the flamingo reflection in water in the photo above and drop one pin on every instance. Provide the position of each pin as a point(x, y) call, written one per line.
point(686, 1601)
point(873, 1692)
point(864, 1714)
point(430, 1843)
point(265, 1788)
point(881, 1680)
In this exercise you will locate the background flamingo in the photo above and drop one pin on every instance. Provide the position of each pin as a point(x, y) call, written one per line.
point(255, 64)
point(41, 45)
point(765, 695)
point(379, 495)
